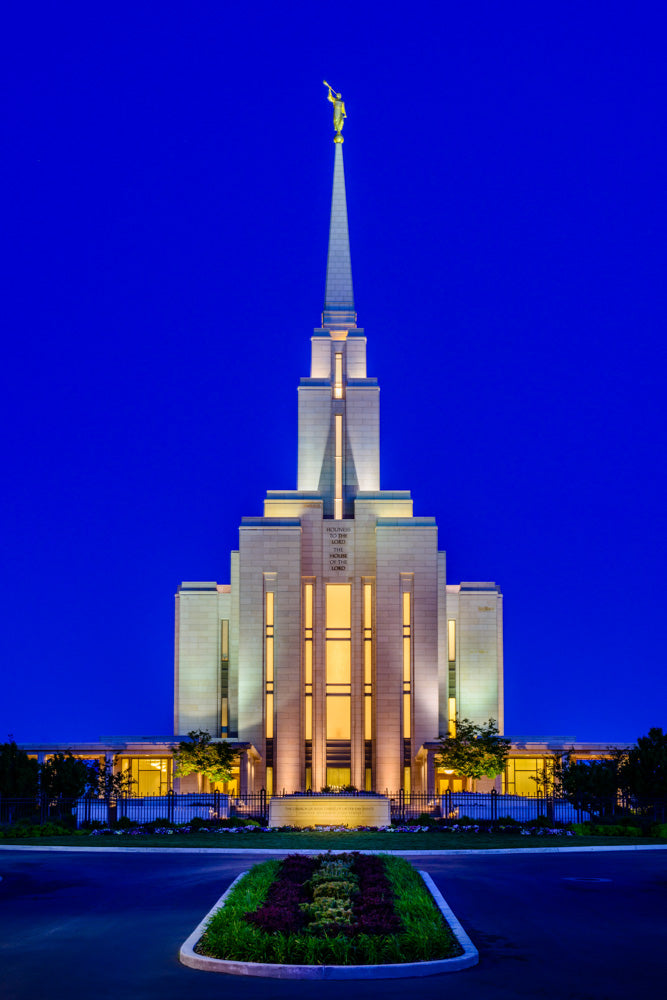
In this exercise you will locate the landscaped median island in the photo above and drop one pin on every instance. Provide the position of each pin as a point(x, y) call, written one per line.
point(308, 916)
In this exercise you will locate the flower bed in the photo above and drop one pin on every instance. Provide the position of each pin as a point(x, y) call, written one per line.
point(165, 829)
point(346, 909)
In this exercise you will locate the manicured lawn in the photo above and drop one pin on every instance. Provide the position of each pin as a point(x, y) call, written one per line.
point(362, 841)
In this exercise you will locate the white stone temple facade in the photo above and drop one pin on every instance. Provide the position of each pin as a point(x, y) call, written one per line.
point(338, 653)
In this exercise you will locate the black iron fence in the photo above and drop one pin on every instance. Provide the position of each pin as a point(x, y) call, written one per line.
point(453, 808)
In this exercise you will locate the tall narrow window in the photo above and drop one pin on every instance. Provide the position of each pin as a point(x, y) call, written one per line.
point(338, 467)
point(338, 663)
point(368, 660)
point(407, 665)
point(268, 662)
point(451, 680)
point(308, 657)
point(451, 640)
point(451, 716)
point(224, 677)
point(338, 376)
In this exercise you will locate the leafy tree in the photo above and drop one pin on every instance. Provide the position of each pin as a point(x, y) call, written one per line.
point(588, 784)
point(104, 782)
point(19, 774)
point(474, 751)
point(644, 770)
point(203, 756)
point(63, 774)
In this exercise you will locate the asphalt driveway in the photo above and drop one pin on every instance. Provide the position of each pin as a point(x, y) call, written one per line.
point(566, 926)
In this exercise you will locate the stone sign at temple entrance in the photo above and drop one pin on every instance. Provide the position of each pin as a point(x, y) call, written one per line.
point(329, 810)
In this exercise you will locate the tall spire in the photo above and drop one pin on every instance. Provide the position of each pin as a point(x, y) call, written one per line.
point(339, 295)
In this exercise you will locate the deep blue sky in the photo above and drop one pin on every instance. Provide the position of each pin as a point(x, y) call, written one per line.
point(166, 185)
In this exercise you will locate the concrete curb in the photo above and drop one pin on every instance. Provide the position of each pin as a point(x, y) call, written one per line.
point(268, 851)
point(470, 956)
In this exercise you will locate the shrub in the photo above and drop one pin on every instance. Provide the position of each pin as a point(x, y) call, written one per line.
point(196, 823)
point(606, 830)
point(125, 823)
point(425, 819)
point(159, 823)
point(93, 824)
point(335, 890)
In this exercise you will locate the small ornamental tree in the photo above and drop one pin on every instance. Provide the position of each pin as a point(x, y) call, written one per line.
point(106, 783)
point(18, 772)
point(64, 774)
point(474, 751)
point(199, 754)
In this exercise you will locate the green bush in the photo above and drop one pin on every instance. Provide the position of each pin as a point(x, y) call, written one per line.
point(125, 823)
point(606, 830)
point(159, 824)
point(425, 819)
point(196, 823)
point(23, 830)
point(334, 890)
point(659, 830)
point(541, 821)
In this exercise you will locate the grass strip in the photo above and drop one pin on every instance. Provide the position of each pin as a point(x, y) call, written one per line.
point(423, 936)
point(335, 841)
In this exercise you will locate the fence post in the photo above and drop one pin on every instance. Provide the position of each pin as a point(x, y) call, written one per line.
point(262, 802)
point(494, 804)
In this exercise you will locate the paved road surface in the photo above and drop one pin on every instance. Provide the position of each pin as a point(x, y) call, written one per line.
point(98, 926)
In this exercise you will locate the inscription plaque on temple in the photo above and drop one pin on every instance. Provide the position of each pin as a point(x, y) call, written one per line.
point(338, 547)
point(329, 810)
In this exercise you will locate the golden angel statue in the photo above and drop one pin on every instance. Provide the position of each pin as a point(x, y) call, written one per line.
point(338, 110)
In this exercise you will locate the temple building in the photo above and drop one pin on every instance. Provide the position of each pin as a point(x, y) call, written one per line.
point(337, 654)
point(338, 650)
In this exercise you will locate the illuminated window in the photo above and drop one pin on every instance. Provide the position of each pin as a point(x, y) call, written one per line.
point(308, 657)
point(451, 640)
point(451, 716)
point(406, 780)
point(407, 665)
point(338, 714)
point(338, 660)
point(268, 662)
point(224, 678)
point(338, 376)
point(338, 606)
point(368, 660)
point(451, 678)
point(152, 775)
point(338, 467)
point(521, 774)
point(269, 781)
point(338, 777)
